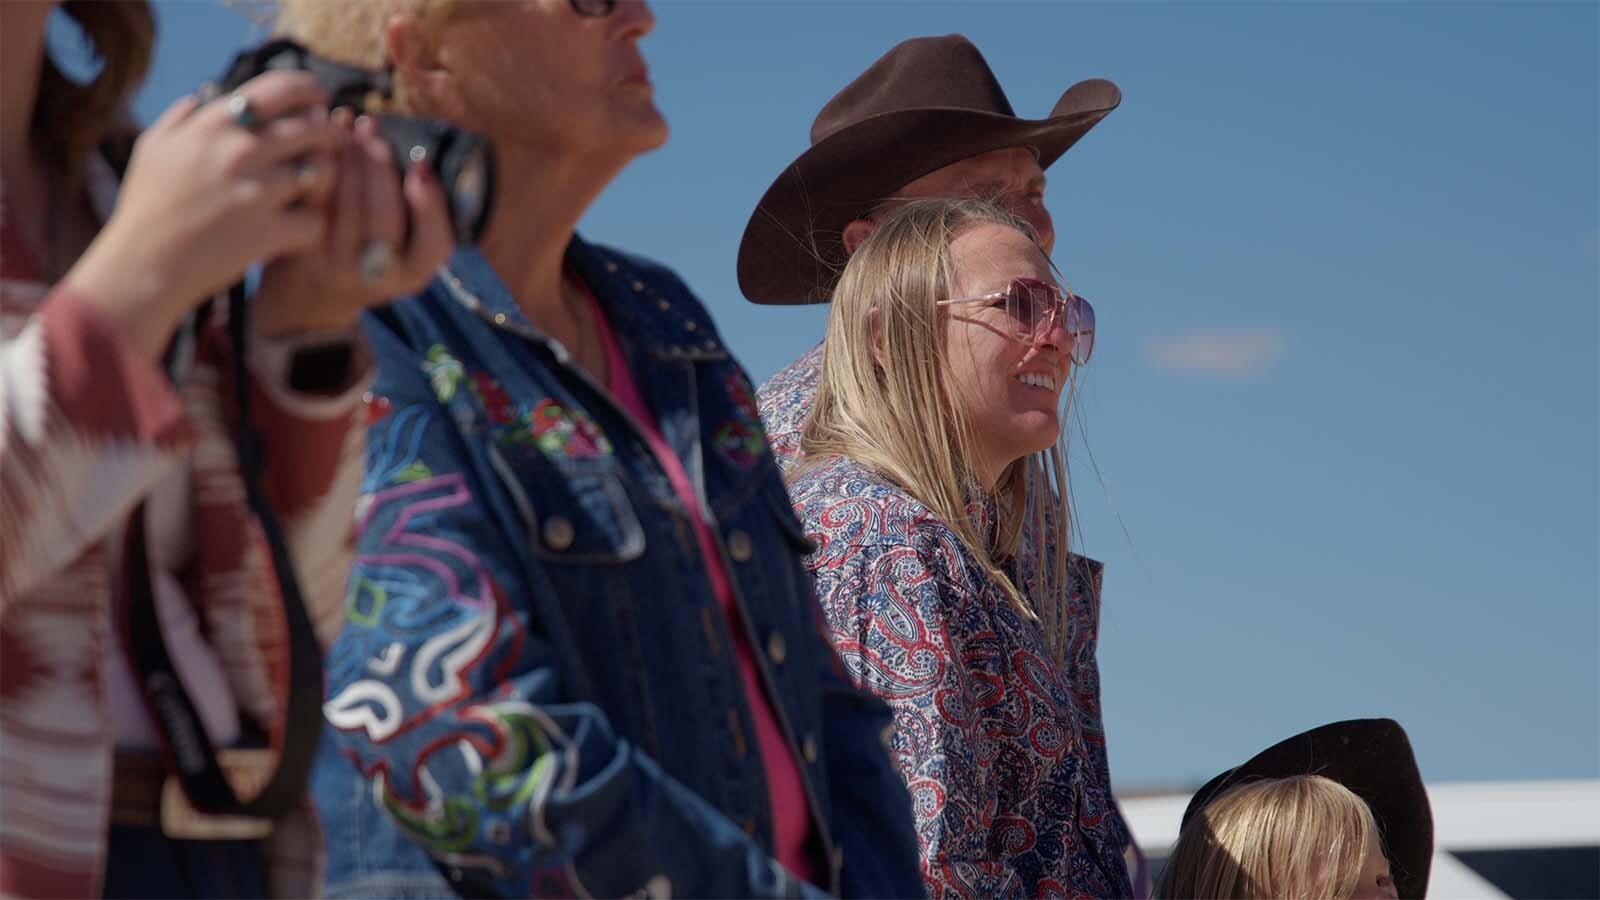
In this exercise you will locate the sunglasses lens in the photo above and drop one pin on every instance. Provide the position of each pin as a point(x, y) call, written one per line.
point(1080, 315)
point(1038, 307)
point(1029, 304)
point(1080, 322)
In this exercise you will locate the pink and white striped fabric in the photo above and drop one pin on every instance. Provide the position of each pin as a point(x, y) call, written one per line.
point(88, 427)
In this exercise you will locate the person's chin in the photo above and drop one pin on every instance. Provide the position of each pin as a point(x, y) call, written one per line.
point(641, 126)
point(1039, 429)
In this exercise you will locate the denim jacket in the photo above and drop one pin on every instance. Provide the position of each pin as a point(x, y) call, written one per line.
point(536, 692)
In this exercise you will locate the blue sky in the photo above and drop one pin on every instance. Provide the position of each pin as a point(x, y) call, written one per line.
point(1343, 410)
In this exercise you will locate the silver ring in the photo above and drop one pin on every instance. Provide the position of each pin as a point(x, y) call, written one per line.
point(305, 176)
point(377, 258)
point(239, 109)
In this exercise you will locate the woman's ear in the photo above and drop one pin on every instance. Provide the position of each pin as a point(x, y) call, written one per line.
point(421, 68)
point(856, 233)
point(875, 335)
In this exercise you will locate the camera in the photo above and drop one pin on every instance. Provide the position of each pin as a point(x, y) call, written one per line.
point(463, 162)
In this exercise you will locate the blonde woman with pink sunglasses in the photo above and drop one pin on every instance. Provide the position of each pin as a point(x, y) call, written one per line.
point(951, 350)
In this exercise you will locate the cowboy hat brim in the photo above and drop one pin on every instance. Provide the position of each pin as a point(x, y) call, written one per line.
point(1373, 759)
point(792, 249)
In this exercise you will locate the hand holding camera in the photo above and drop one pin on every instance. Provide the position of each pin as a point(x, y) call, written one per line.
point(366, 256)
point(386, 234)
point(198, 180)
point(259, 171)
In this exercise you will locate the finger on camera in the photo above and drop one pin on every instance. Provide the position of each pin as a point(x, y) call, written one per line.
point(172, 115)
point(347, 208)
point(431, 237)
point(385, 207)
point(319, 177)
point(272, 95)
point(293, 136)
point(305, 182)
point(294, 231)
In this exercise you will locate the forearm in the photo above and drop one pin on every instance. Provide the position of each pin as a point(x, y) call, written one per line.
point(137, 301)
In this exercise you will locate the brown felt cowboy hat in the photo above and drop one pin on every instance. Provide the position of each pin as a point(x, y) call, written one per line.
point(925, 104)
point(1371, 757)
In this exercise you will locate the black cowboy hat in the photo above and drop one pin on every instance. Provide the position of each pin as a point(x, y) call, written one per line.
point(1373, 759)
point(925, 104)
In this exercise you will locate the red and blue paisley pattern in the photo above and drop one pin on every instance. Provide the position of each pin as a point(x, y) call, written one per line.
point(785, 401)
point(1009, 797)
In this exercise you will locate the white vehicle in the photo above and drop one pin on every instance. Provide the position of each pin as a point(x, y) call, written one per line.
point(1523, 839)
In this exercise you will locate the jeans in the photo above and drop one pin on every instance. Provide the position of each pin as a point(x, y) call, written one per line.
point(143, 862)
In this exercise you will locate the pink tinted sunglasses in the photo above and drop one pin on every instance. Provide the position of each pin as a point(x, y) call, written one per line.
point(1035, 307)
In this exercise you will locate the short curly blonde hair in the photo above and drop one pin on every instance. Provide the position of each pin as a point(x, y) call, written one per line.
point(1305, 836)
point(352, 31)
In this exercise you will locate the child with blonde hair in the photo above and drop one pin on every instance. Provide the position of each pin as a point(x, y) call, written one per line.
point(1301, 836)
point(1337, 811)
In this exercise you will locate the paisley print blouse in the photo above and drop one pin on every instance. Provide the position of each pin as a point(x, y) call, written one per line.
point(1008, 797)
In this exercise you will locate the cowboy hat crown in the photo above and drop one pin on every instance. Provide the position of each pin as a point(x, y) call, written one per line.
point(925, 104)
point(922, 73)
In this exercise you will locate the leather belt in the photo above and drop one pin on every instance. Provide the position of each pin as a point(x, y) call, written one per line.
point(145, 795)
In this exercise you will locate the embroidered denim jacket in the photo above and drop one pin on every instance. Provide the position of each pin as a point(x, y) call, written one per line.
point(536, 691)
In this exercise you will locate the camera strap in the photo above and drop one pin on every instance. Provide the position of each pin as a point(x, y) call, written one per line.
point(188, 749)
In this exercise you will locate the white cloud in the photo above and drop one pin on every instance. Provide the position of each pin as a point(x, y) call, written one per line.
point(1217, 352)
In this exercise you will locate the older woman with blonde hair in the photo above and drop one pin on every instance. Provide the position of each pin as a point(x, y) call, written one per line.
point(950, 347)
point(1298, 837)
point(582, 655)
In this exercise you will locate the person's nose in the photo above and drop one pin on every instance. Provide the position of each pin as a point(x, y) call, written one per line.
point(633, 19)
point(1051, 337)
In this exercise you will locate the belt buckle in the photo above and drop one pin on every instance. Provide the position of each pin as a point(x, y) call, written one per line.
point(247, 771)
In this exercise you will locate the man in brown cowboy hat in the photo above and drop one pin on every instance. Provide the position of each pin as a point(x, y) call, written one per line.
point(928, 119)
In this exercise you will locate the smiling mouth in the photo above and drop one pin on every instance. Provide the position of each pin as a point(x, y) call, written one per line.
point(1034, 379)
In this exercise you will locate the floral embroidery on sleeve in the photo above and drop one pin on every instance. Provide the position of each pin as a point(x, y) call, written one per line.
point(444, 372)
point(559, 431)
point(741, 438)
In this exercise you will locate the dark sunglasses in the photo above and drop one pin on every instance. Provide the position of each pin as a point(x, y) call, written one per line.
point(589, 9)
point(1036, 307)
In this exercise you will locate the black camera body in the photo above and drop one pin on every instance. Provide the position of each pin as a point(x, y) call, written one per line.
point(463, 162)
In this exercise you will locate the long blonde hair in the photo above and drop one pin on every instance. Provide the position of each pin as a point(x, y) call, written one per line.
point(1305, 836)
point(883, 400)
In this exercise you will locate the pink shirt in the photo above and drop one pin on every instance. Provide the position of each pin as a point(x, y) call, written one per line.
point(791, 815)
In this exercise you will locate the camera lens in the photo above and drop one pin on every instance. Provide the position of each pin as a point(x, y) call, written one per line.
point(469, 188)
point(463, 162)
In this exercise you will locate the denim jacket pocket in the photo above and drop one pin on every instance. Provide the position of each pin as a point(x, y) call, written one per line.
point(576, 513)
